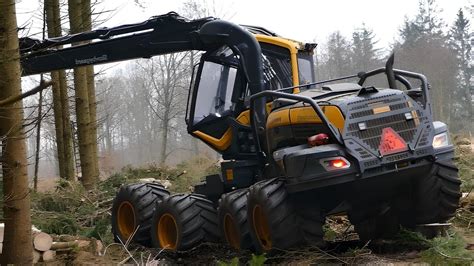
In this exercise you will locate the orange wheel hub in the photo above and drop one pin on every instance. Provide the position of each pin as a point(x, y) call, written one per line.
point(126, 219)
point(230, 231)
point(261, 227)
point(167, 232)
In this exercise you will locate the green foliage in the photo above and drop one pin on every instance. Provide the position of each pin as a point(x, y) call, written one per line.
point(50, 203)
point(233, 262)
point(102, 230)
point(56, 224)
point(465, 164)
point(329, 233)
point(257, 260)
point(406, 239)
point(443, 250)
point(448, 250)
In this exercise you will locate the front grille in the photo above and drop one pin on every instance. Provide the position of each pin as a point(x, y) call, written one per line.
point(371, 136)
point(381, 110)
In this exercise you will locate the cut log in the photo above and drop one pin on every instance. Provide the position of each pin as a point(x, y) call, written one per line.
point(68, 238)
point(42, 241)
point(49, 255)
point(70, 244)
point(36, 256)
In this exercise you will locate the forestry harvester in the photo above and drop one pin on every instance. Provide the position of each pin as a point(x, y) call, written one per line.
point(294, 149)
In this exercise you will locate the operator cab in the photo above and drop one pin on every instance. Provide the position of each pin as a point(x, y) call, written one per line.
point(218, 106)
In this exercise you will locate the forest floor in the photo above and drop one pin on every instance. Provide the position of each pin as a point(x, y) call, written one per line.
point(64, 208)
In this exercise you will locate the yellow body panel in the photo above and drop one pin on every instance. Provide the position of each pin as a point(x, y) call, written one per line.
point(305, 115)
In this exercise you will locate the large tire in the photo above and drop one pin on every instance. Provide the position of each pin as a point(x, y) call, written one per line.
point(233, 221)
point(183, 221)
point(437, 194)
point(133, 207)
point(272, 219)
point(434, 199)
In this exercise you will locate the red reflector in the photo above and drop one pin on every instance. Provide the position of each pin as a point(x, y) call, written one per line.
point(319, 139)
point(338, 163)
point(391, 142)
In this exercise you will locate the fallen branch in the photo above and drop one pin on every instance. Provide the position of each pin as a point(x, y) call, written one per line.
point(43, 85)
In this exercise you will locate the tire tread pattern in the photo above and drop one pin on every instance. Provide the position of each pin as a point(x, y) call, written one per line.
point(143, 197)
point(195, 216)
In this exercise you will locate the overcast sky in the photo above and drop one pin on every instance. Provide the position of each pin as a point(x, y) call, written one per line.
point(295, 19)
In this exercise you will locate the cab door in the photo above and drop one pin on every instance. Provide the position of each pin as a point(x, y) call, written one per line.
point(215, 99)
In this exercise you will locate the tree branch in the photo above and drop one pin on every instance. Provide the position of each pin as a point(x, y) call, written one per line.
point(43, 85)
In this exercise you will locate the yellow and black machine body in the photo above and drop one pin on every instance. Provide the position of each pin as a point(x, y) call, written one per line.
point(294, 149)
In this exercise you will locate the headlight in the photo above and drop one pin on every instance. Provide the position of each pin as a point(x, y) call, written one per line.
point(441, 140)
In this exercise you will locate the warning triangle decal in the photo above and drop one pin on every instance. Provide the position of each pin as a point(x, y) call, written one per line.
point(391, 142)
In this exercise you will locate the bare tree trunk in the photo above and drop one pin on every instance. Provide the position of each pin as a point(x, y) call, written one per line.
point(17, 248)
point(60, 100)
point(108, 136)
point(38, 140)
point(87, 26)
point(164, 137)
point(86, 149)
point(70, 165)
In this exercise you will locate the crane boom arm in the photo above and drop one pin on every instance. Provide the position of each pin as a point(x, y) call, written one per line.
point(164, 34)
point(159, 35)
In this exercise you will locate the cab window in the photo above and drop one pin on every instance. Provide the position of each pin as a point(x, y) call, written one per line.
point(214, 93)
point(305, 68)
point(276, 67)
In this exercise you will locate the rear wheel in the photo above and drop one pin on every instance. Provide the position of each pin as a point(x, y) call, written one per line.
point(183, 221)
point(272, 219)
point(233, 221)
point(132, 211)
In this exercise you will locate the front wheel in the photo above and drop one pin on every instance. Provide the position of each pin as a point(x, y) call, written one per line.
point(437, 194)
point(433, 199)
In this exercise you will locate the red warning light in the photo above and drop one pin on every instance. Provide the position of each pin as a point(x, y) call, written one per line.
point(391, 142)
point(338, 163)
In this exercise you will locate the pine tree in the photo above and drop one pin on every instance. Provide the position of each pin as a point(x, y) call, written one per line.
point(338, 56)
point(426, 25)
point(85, 138)
point(364, 54)
point(459, 41)
point(17, 248)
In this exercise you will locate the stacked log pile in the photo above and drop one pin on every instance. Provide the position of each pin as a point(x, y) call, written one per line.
point(47, 247)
